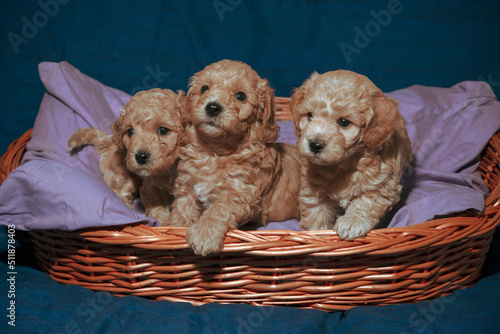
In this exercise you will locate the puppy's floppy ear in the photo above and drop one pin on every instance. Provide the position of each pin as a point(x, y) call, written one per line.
point(384, 121)
point(183, 105)
point(296, 99)
point(270, 129)
point(117, 129)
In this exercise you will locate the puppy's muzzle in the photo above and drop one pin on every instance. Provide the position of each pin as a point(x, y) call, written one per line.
point(213, 109)
point(316, 146)
point(142, 157)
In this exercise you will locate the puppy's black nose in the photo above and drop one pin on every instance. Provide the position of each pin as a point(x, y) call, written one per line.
point(316, 146)
point(213, 109)
point(142, 157)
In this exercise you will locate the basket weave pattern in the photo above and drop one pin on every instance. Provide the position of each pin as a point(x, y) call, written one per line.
point(278, 268)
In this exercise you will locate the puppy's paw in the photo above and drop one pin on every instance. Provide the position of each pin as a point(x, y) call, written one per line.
point(204, 240)
point(74, 146)
point(174, 219)
point(126, 190)
point(161, 214)
point(316, 225)
point(349, 228)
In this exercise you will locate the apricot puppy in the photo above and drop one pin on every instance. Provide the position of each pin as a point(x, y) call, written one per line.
point(145, 146)
point(356, 148)
point(230, 171)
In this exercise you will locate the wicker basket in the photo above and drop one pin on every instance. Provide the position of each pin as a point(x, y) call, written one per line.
point(281, 268)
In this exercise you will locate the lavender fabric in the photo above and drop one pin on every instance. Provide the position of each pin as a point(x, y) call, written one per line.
point(449, 127)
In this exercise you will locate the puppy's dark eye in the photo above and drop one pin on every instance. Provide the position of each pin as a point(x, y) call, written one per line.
point(163, 131)
point(344, 122)
point(309, 115)
point(241, 96)
point(130, 132)
point(204, 89)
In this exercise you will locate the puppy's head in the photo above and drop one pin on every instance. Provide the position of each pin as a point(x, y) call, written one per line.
point(229, 104)
point(151, 130)
point(339, 113)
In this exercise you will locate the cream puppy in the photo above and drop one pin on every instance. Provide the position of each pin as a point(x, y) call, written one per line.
point(356, 148)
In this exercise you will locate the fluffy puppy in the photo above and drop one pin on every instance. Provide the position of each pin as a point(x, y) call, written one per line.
point(356, 148)
point(146, 143)
point(230, 171)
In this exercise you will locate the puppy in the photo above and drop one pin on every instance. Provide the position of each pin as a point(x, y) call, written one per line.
point(356, 148)
point(146, 143)
point(230, 171)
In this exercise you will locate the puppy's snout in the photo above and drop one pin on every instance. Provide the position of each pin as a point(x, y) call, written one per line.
point(213, 109)
point(142, 157)
point(316, 146)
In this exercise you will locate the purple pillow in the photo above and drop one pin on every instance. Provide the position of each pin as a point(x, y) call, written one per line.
point(449, 127)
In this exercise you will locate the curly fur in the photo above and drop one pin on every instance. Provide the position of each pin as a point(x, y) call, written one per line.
point(356, 148)
point(230, 171)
